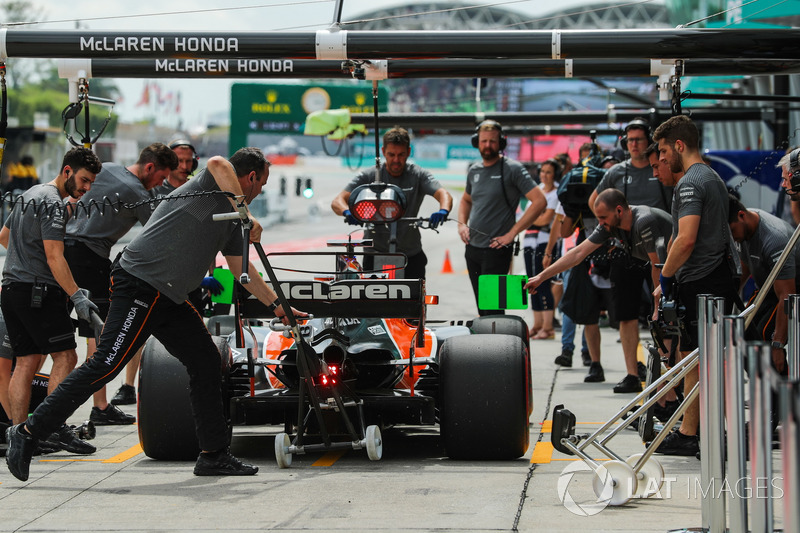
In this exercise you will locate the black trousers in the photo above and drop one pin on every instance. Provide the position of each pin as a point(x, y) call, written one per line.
point(138, 311)
point(487, 261)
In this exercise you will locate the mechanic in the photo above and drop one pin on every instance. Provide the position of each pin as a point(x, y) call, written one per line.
point(641, 233)
point(487, 213)
point(415, 183)
point(535, 247)
point(791, 185)
point(91, 234)
point(699, 256)
point(187, 164)
point(150, 282)
point(763, 238)
point(38, 285)
point(634, 177)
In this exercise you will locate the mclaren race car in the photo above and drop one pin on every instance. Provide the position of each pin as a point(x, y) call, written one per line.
point(366, 361)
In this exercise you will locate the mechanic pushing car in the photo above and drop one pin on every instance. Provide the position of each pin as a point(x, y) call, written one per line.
point(416, 183)
point(150, 281)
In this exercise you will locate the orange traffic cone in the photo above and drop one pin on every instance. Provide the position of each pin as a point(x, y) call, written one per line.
point(447, 268)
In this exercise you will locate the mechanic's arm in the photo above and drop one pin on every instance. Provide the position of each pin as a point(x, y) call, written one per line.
point(682, 245)
point(783, 288)
point(568, 260)
point(4, 233)
point(54, 250)
point(225, 176)
point(655, 271)
point(537, 205)
point(258, 287)
point(464, 209)
point(340, 203)
point(444, 198)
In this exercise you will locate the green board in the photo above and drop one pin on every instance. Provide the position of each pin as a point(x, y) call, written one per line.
point(225, 277)
point(502, 292)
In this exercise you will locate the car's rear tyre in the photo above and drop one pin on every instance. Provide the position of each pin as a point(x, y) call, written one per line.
point(483, 397)
point(508, 325)
point(166, 426)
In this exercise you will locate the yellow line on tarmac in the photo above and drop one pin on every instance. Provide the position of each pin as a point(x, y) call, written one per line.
point(542, 453)
point(329, 458)
point(130, 453)
point(119, 458)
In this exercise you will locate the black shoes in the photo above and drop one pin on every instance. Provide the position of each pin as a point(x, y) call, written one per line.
point(126, 395)
point(110, 416)
point(676, 443)
point(65, 439)
point(586, 358)
point(20, 450)
point(629, 383)
point(222, 463)
point(565, 359)
point(664, 413)
point(595, 375)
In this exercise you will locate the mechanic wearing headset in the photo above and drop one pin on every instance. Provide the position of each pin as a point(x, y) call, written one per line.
point(415, 183)
point(38, 285)
point(91, 233)
point(487, 214)
point(150, 280)
point(187, 164)
point(700, 255)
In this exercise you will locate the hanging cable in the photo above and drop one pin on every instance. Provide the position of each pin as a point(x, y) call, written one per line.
point(3, 112)
point(73, 111)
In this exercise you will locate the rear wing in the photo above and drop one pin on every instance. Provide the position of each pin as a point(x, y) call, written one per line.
point(351, 298)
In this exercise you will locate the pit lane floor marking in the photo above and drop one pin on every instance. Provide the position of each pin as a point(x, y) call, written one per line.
point(329, 458)
point(119, 458)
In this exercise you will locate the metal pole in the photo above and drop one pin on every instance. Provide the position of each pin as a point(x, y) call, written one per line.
point(793, 345)
point(760, 436)
point(790, 444)
point(734, 414)
point(711, 411)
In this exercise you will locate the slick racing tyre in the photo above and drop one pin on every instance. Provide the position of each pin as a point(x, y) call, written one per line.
point(483, 397)
point(508, 325)
point(166, 426)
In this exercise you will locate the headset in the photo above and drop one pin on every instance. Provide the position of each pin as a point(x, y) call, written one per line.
point(183, 142)
point(794, 169)
point(637, 123)
point(497, 126)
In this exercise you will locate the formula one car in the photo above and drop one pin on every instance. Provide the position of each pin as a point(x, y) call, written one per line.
point(365, 362)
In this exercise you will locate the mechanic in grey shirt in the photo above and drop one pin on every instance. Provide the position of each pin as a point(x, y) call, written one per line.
point(187, 164)
point(415, 183)
point(38, 284)
point(763, 238)
point(92, 231)
point(698, 254)
point(639, 233)
point(487, 221)
point(151, 280)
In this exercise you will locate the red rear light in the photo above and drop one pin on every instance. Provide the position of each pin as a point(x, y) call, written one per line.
point(377, 203)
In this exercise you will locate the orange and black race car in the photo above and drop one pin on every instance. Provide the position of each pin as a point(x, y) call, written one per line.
point(365, 362)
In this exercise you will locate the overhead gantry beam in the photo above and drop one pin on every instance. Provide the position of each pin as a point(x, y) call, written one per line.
point(685, 43)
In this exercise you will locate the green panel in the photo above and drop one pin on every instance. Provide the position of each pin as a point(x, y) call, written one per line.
point(502, 292)
point(226, 278)
point(282, 108)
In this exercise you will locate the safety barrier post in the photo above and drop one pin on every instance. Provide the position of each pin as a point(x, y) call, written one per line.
point(790, 444)
point(712, 465)
point(793, 346)
point(759, 357)
point(735, 349)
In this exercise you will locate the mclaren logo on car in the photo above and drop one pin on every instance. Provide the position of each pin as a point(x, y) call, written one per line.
point(348, 290)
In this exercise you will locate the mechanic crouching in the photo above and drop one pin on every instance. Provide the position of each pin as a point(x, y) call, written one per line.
point(150, 281)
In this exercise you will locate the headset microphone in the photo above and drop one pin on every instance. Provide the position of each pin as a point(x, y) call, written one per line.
point(494, 125)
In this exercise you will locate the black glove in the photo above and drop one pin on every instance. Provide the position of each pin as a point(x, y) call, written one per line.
point(350, 219)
